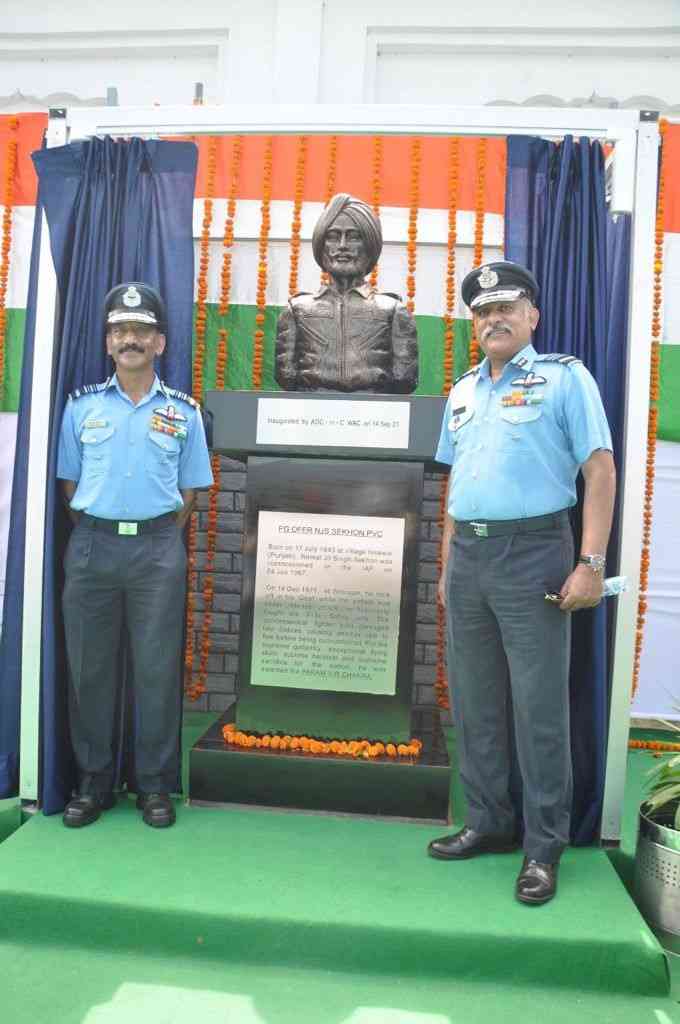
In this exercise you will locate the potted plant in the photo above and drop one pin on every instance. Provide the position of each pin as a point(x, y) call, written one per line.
point(657, 857)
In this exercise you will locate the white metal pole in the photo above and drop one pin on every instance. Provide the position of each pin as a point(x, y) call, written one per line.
point(36, 486)
point(632, 474)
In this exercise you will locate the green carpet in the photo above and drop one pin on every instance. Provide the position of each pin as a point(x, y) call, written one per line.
point(10, 816)
point(253, 917)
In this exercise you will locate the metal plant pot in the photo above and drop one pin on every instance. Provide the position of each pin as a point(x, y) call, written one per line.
point(657, 877)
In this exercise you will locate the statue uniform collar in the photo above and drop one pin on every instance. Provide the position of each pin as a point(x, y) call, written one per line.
point(365, 290)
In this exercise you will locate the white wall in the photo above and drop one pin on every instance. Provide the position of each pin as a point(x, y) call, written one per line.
point(343, 51)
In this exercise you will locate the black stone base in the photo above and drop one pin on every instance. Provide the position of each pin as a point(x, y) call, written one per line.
point(221, 774)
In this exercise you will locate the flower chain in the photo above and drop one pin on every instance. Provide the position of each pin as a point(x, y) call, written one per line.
point(265, 225)
point(309, 745)
point(330, 183)
point(414, 202)
point(653, 410)
point(377, 191)
point(191, 687)
point(300, 168)
point(480, 192)
point(8, 199)
point(441, 684)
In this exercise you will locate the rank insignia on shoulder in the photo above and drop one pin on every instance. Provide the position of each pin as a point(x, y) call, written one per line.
point(530, 381)
point(182, 395)
point(89, 389)
point(469, 373)
point(557, 357)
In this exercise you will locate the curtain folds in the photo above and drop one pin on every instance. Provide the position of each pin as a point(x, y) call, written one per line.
point(557, 224)
point(116, 210)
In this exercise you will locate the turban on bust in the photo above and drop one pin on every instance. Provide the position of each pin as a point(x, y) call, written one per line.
point(362, 217)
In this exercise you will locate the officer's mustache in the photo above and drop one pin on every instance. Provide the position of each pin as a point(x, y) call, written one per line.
point(495, 327)
point(131, 348)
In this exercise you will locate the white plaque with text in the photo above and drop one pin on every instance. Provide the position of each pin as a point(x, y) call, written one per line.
point(327, 602)
point(343, 423)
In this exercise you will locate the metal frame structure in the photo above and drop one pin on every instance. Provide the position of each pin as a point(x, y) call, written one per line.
point(636, 140)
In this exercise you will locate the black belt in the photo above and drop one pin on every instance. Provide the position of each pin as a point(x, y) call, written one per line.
point(127, 527)
point(506, 527)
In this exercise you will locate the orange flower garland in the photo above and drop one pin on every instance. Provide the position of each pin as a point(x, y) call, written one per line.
point(653, 410)
point(441, 688)
point(265, 224)
point(330, 183)
point(480, 192)
point(414, 202)
point(657, 745)
point(377, 190)
point(193, 689)
point(297, 208)
point(199, 685)
point(8, 200)
point(310, 745)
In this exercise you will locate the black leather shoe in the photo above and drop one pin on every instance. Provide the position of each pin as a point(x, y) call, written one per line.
point(157, 809)
point(468, 843)
point(536, 882)
point(87, 807)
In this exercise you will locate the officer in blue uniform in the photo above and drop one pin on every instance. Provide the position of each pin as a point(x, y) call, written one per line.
point(516, 432)
point(132, 452)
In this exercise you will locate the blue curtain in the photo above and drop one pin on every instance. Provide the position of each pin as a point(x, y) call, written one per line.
point(117, 210)
point(557, 224)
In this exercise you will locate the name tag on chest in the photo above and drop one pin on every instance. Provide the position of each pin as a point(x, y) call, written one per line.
point(127, 529)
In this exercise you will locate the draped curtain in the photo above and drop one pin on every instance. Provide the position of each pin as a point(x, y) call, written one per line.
point(117, 211)
point(558, 225)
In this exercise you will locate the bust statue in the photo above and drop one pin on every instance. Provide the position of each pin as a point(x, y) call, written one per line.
point(347, 336)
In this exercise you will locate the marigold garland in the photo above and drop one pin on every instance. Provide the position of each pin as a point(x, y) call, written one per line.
point(441, 684)
point(310, 745)
point(414, 203)
point(480, 194)
point(192, 577)
point(653, 410)
point(198, 686)
point(261, 301)
point(8, 200)
point(194, 688)
point(657, 745)
point(377, 191)
point(330, 183)
point(297, 209)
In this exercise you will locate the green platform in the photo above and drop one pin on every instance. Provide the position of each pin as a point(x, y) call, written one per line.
point(256, 917)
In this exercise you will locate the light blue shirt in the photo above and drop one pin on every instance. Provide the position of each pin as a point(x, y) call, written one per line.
point(515, 445)
point(130, 461)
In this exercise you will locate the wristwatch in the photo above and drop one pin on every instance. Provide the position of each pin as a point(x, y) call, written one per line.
point(595, 562)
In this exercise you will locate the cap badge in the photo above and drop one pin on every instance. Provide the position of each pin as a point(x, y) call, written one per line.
point(488, 278)
point(132, 298)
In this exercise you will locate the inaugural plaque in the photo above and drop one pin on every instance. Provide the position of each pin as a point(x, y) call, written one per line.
point(327, 602)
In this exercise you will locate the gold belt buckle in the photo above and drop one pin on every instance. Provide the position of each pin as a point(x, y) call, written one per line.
point(481, 529)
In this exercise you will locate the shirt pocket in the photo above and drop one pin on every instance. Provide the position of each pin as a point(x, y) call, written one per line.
point(518, 427)
point(461, 429)
point(162, 455)
point(97, 446)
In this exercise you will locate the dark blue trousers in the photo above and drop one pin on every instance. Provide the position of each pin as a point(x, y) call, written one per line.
point(509, 671)
point(118, 589)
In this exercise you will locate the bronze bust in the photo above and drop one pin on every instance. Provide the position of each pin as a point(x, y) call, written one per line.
point(347, 336)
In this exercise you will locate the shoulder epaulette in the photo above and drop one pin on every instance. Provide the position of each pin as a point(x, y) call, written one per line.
point(555, 357)
point(298, 294)
point(89, 389)
point(474, 370)
point(182, 395)
point(393, 295)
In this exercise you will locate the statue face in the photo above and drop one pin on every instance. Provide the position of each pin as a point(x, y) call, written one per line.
point(344, 250)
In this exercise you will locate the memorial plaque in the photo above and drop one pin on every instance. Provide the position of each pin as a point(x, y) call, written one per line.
point(342, 423)
point(327, 602)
